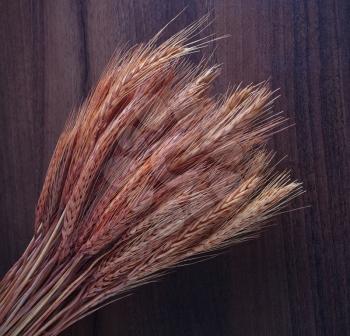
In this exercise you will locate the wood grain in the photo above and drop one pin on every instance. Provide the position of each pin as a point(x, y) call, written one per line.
point(295, 279)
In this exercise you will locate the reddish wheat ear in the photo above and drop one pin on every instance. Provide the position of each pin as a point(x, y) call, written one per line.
point(152, 170)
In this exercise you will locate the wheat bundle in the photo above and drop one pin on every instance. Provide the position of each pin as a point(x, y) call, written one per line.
point(152, 170)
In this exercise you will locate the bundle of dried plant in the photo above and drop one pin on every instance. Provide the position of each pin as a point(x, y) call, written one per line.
point(152, 170)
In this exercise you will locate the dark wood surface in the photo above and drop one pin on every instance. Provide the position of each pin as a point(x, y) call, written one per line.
point(293, 280)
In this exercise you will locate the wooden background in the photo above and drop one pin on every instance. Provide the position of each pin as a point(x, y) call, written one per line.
point(295, 279)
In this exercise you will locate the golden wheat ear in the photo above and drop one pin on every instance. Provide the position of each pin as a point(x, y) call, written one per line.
point(152, 170)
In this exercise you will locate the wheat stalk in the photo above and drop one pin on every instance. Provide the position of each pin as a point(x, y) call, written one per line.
point(152, 170)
